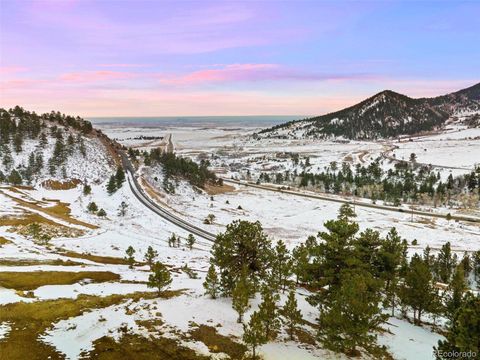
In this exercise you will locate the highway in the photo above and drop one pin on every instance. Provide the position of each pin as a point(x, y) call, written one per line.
point(156, 208)
point(355, 203)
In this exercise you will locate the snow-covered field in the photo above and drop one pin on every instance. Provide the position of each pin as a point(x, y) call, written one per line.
point(283, 217)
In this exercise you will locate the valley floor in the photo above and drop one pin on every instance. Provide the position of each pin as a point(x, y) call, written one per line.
point(76, 292)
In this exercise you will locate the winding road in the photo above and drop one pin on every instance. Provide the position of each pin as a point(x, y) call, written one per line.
point(156, 208)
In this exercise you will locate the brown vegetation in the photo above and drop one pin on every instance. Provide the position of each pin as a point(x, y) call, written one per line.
point(35, 279)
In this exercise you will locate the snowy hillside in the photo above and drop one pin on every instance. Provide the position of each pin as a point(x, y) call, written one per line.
point(47, 150)
point(387, 114)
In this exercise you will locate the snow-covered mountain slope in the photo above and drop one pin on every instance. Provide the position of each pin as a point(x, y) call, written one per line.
point(51, 148)
point(387, 114)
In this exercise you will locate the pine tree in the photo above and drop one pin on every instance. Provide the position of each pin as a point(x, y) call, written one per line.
point(300, 262)
point(242, 245)
point(92, 207)
point(7, 159)
point(241, 295)
point(417, 290)
point(282, 264)
point(476, 267)
point(254, 333)
point(119, 177)
point(390, 259)
point(160, 277)
point(346, 212)
point(211, 284)
point(43, 140)
point(456, 291)
point(17, 143)
point(14, 178)
point(334, 254)
point(150, 256)
point(463, 332)
point(131, 260)
point(87, 189)
point(172, 240)
point(122, 209)
point(354, 313)
point(268, 311)
point(190, 241)
point(446, 263)
point(112, 185)
point(291, 313)
point(101, 213)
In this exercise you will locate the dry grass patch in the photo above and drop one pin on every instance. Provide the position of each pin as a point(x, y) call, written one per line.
point(218, 343)
point(32, 262)
point(96, 258)
point(35, 279)
point(48, 231)
point(4, 241)
point(25, 219)
point(60, 211)
point(140, 348)
point(29, 320)
point(61, 185)
point(218, 189)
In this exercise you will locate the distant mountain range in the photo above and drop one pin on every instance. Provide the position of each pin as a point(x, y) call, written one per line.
point(387, 114)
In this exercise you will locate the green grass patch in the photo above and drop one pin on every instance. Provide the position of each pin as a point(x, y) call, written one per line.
point(35, 279)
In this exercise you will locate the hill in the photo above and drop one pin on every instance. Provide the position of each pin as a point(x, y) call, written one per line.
point(387, 114)
point(51, 149)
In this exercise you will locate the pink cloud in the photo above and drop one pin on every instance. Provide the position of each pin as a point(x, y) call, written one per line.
point(256, 72)
point(9, 70)
point(123, 65)
point(95, 76)
point(228, 73)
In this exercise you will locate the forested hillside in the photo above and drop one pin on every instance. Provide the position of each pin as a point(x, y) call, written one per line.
point(50, 148)
point(387, 114)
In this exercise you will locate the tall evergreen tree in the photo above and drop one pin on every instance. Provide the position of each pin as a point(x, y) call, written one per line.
point(254, 333)
point(354, 314)
point(463, 336)
point(150, 256)
point(160, 277)
point(243, 245)
point(417, 290)
point(268, 311)
point(300, 259)
point(292, 314)
point(131, 260)
point(119, 177)
point(282, 265)
point(241, 295)
point(456, 291)
point(112, 185)
point(211, 283)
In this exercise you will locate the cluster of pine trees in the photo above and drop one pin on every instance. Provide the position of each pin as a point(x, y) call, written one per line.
point(407, 182)
point(355, 278)
point(179, 167)
point(18, 125)
point(116, 181)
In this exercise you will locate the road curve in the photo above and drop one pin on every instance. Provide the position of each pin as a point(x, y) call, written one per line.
point(346, 201)
point(159, 210)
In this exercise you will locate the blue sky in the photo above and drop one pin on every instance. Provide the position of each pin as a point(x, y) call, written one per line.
point(153, 58)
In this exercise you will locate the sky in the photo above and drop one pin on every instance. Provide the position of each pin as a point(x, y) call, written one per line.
point(186, 58)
